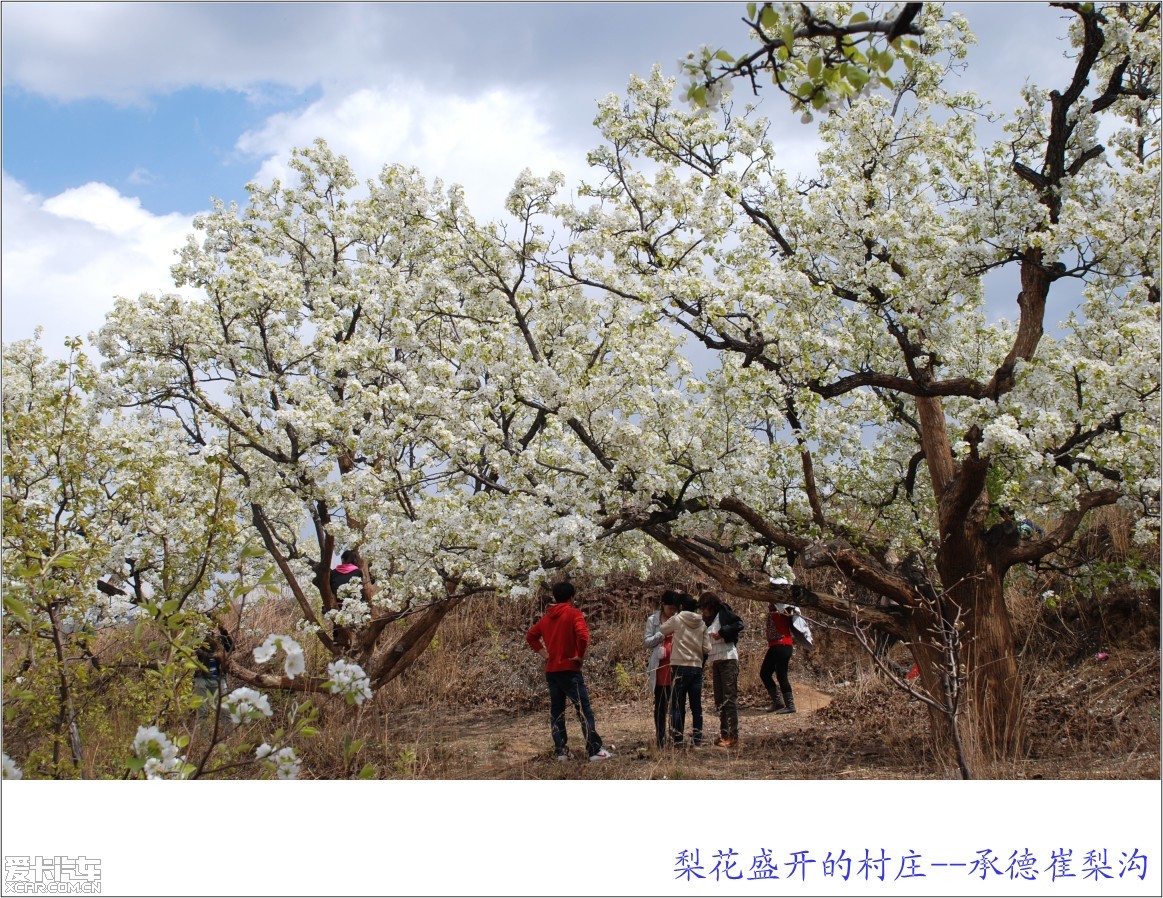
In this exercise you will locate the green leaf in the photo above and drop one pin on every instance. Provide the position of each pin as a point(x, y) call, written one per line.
point(751, 10)
point(857, 18)
point(724, 56)
point(699, 95)
point(368, 772)
point(857, 76)
point(65, 560)
point(16, 608)
point(884, 61)
point(182, 741)
point(309, 731)
point(788, 36)
point(135, 764)
point(768, 19)
point(819, 101)
point(815, 66)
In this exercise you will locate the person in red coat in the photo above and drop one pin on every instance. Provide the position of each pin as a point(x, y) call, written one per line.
point(780, 647)
point(561, 637)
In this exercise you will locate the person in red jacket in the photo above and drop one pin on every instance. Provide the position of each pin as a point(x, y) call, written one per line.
point(561, 637)
point(780, 647)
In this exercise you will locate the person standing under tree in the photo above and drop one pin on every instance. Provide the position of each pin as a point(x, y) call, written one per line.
point(723, 627)
point(688, 652)
point(210, 677)
point(561, 637)
point(658, 667)
point(780, 647)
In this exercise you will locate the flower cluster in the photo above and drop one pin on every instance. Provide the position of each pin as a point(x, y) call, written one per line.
point(294, 664)
point(245, 703)
point(159, 753)
point(285, 762)
point(353, 610)
point(348, 679)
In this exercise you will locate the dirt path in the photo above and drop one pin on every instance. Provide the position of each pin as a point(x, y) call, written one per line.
point(516, 745)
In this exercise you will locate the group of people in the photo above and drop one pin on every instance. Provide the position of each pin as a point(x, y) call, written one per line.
point(685, 636)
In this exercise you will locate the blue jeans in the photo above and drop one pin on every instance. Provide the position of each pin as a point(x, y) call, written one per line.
point(688, 684)
point(569, 684)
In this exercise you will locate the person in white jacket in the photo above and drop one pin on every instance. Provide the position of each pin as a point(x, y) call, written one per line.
point(655, 640)
point(689, 649)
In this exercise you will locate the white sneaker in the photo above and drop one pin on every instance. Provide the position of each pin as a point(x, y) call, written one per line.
point(602, 755)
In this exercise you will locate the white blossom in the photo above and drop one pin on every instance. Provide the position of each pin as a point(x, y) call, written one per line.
point(158, 752)
point(287, 763)
point(245, 703)
point(346, 678)
point(293, 664)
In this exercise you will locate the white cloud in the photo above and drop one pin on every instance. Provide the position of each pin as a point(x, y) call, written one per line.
point(141, 175)
point(68, 256)
point(480, 142)
point(127, 52)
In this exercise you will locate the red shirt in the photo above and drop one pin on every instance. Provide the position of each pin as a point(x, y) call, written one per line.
point(565, 635)
point(664, 676)
point(778, 629)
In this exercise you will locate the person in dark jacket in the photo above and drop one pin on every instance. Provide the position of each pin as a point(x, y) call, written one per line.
point(210, 678)
point(723, 627)
point(345, 571)
point(561, 637)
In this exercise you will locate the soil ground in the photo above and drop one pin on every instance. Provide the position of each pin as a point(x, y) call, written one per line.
point(865, 729)
point(516, 745)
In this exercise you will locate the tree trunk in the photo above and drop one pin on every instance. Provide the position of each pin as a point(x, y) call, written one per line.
point(389, 664)
point(990, 712)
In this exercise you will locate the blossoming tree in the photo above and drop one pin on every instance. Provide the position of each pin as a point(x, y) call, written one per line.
point(876, 411)
point(106, 518)
point(338, 367)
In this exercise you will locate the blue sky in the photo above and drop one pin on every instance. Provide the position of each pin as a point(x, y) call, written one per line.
point(121, 120)
point(171, 153)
